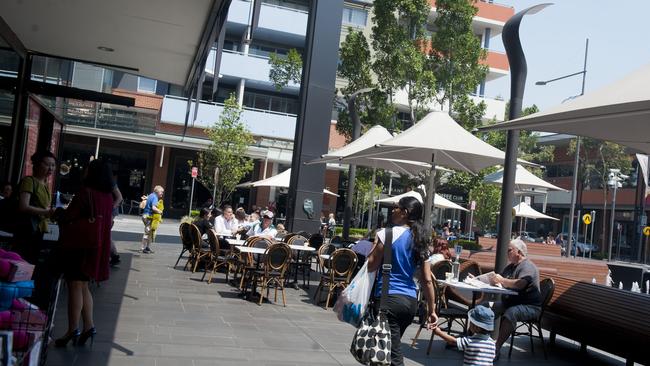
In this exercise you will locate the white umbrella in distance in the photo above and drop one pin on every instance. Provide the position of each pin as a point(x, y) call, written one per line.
point(523, 180)
point(440, 202)
point(279, 180)
point(524, 210)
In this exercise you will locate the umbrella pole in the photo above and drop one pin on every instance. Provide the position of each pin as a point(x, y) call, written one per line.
point(372, 199)
point(431, 192)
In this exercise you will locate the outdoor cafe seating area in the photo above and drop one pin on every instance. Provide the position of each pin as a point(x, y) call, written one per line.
point(260, 269)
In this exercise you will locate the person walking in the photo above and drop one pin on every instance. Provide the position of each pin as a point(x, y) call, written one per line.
point(85, 249)
point(410, 250)
point(150, 208)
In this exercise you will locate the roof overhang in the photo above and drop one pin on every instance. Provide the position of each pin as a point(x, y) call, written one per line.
point(160, 39)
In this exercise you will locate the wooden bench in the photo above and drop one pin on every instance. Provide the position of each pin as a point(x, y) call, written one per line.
point(613, 320)
point(533, 248)
point(575, 268)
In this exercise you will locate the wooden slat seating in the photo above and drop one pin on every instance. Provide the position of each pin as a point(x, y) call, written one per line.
point(578, 268)
point(613, 320)
point(533, 248)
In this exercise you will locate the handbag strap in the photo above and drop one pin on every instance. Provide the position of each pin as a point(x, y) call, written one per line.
point(91, 204)
point(386, 267)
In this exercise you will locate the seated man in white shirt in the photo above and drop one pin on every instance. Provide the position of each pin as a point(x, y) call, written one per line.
point(226, 223)
point(265, 228)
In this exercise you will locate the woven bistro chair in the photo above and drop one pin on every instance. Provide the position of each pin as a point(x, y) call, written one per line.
point(301, 260)
point(446, 312)
point(276, 262)
point(322, 265)
point(250, 261)
point(237, 261)
point(341, 267)
point(199, 251)
point(438, 269)
point(218, 256)
point(184, 231)
point(547, 288)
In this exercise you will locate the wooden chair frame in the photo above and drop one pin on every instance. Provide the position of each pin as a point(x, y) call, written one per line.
point(273, 272)
point(218, 257)
point(336, 279)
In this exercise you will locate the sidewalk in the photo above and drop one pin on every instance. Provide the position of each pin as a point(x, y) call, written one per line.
point(151, 314)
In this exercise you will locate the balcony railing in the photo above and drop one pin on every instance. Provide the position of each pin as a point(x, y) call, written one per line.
point(490, 10)
point(108, 117)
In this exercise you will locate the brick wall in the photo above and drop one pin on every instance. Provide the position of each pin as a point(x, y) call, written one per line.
point(160, 173)
point(336, 139)
point(149, 101)
point(332, 184)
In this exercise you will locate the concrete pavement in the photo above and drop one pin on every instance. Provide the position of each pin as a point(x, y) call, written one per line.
point(152, 314)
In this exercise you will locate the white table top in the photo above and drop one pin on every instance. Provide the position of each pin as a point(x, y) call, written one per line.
point(236, 242)
point(325, 256)
point(245, 249)
point(488, 289)
point(302, 247)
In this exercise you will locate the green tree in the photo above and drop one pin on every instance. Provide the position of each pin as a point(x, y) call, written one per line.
point(456, 52)
point(285, 69)
point(596, 159)
point(355, 67)
point(399, 39)
point(227, 151)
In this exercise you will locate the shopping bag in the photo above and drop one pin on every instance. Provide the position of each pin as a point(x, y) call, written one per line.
point(371, 344)
point(352, 303)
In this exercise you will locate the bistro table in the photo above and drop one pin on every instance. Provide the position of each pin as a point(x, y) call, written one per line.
point(477, 290)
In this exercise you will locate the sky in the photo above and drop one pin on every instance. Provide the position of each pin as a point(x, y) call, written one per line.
point(554, 44)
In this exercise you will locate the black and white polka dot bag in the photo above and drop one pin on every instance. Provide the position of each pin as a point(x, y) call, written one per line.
point(371, 343)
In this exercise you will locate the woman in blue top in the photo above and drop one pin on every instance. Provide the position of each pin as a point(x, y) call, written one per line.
point(409, 251)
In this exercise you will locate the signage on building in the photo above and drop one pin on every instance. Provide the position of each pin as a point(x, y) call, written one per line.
point(457, 198)
point(195, 172)
point(472, 205)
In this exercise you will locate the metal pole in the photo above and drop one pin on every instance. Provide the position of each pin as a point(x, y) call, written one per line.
point(517, 61)
point(352, 172)
point(576, 167)
point(429, 201)
point(372, 199)
point(584, 252)
point(471, 222)
point(593, 223)
point(619, 227)
point(611, 221)
point(191, 197)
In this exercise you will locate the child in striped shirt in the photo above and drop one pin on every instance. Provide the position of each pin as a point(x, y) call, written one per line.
point(479, 349)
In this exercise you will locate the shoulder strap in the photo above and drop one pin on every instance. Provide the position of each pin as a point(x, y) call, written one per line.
point(386, 267)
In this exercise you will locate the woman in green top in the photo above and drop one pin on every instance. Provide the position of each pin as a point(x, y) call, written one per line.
point(34, 203)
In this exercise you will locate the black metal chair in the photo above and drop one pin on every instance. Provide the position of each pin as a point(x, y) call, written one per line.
point(184, 232)
point(438, 269)
point(302, 260)
point(447, 312)
point(547, 288)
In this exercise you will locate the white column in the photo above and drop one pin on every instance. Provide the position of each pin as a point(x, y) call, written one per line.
point(240, 92)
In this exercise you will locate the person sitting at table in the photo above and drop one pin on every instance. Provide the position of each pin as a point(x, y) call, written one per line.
point(364, 246)
point(520, 275)
point(265, 228)
point(226, 223)
point(439, 250)
point(203, 221)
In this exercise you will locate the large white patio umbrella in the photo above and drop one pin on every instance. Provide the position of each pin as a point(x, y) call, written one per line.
point(619, 112)
point(440, 202)
point(524, 210)
point(439, 140)
point(523, 180)
point(279, 180)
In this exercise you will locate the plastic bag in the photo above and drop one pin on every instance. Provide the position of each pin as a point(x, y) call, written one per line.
point(352, 303)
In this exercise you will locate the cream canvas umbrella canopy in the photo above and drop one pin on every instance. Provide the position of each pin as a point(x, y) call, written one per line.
point(437, 139)
point(524, 210)
point(279, 180)
point(440, 202)
point(375, 135)
point(619, 112)
point(523, 180)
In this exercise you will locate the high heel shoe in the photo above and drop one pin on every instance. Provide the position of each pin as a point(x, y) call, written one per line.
point(83, 337)
point(72, 336)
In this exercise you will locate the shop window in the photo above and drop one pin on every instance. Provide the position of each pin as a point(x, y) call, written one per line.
point(354, 16)
point(147, 85)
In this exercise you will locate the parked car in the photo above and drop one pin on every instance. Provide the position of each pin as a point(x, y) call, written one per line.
point(530, 236)
point(578, 244)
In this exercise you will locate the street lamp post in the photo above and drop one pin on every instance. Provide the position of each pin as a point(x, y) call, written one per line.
point(576, 163)
point(615, 178)
point(352, 173)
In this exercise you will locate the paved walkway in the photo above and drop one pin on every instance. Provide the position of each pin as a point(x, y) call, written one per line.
point(152, 314)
